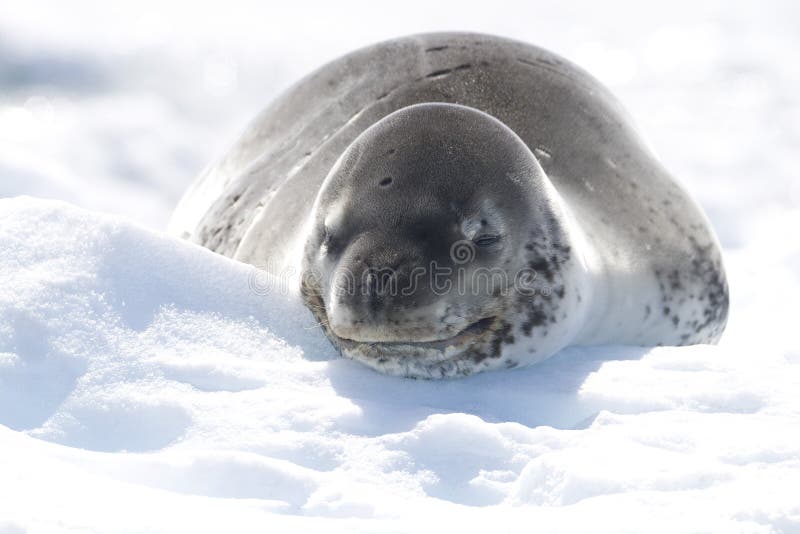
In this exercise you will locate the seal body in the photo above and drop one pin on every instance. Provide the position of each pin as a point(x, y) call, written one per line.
point(385, 161)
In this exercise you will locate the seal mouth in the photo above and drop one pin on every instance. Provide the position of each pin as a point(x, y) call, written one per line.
point(436, 358)
point(468, 334)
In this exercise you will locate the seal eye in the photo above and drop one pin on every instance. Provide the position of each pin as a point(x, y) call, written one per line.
point(485, 240)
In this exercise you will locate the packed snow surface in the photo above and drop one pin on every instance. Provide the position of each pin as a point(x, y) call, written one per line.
point(148, 385)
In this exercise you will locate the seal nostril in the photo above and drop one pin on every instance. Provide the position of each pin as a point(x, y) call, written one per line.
point(371, 284)
point(385, 182)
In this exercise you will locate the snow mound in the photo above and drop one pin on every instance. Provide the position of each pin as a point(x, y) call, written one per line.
point(147, 384)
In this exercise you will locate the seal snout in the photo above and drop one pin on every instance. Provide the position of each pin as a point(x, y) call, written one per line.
point(381, 297)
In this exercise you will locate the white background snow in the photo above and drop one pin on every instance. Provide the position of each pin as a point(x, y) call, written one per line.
point(147, 385)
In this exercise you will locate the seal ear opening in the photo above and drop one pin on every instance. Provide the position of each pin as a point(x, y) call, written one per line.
point(386, 182)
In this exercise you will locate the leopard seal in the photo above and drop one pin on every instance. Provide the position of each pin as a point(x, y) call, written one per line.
point(455, 202)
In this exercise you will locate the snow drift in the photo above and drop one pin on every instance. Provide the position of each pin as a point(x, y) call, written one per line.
point(147, 384)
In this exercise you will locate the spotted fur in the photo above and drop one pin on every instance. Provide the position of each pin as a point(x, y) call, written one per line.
point(621, 252)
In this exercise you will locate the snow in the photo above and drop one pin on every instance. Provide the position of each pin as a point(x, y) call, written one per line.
point(148, 385)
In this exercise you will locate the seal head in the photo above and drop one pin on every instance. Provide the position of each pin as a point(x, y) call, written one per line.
point(436, 241)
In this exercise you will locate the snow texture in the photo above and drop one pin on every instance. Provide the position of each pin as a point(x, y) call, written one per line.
point(148, 385)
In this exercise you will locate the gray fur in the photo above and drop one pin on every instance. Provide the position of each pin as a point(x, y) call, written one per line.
point(627, 256)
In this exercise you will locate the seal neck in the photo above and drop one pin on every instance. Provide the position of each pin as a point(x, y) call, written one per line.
point(580, 273)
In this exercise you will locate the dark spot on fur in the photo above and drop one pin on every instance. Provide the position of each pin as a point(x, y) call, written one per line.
point(385, 182)
point(674, 279)
point(541, 266)
point(439, 73)
point(536, 317)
